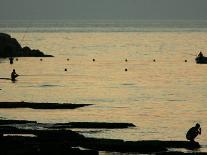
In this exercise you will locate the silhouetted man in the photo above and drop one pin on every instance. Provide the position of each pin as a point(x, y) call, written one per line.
point(14, 75)
point(200, 54)
point(193, 132)
point(11, 59)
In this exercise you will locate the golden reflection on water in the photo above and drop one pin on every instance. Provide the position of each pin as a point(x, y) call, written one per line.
point(163, 98)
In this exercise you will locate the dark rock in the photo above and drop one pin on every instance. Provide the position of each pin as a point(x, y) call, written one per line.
point(58, 134)
point(150, 146)
point(122, 146)
point(180, 153)
point(19, 145)
point(103, 125)
point(41, 105)
point(180, 144)
point(10, 47)
point(54, 141)
point(4, 122)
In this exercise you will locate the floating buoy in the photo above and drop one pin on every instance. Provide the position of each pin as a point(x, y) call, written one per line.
point(94, 60)
point(68, 59)
point(66, 70)
point(186, 60)
point(126, 60)
point(41, 59)
point(154, 60)
point(126, 69)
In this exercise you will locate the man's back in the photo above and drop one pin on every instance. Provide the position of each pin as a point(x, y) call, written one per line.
point(193, 132)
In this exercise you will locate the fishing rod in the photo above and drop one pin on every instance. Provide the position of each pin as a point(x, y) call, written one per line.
point(24, 33)
point(189, 54)
point(43, 75)
point(5, 78)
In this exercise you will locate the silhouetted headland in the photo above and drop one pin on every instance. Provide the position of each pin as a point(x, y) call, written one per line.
point(41, 105)
point(10, 47)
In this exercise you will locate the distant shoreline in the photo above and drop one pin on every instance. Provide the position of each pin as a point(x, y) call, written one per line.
point(26, 26)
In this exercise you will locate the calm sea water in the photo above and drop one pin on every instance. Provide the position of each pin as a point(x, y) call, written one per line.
point(163, 98)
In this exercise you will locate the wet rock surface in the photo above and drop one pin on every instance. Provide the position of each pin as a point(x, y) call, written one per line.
point(59, 141)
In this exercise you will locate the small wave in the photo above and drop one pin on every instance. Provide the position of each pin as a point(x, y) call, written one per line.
point(42, 86)
point(175, 100)
point(128, 84)
point(90, 131)
point(102, 100)
point(49, 85)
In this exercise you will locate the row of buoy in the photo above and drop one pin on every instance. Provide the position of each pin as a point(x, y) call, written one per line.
point(124, 70)
point(126, 60)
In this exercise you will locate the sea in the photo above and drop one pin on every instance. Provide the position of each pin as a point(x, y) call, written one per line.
point(134, 71)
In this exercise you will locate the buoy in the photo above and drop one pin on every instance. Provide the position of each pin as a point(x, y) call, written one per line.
point(94, 60)
point(154, 60)
point(41, 59)
point(68, 59)
point(65, 69)
point(186, 60)
point(126, 69)
point(126, 60)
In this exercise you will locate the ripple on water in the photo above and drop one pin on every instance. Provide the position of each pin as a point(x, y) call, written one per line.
point(43, 86)
point(49, 85)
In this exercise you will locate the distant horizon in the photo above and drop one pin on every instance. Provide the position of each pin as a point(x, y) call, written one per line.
point(103, 26)
point(104, 10)
point(115, 20)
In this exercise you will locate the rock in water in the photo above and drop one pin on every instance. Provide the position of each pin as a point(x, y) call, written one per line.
point(10, 47)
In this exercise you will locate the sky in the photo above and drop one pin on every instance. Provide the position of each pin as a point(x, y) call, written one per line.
point(103, 9)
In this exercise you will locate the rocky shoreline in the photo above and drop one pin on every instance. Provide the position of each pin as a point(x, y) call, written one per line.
point(46, 140)
point(10, 47)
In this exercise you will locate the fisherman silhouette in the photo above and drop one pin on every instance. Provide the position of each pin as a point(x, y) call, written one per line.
point(11, 59)
point(14, 75)
point(193, 133)
point(200, 54)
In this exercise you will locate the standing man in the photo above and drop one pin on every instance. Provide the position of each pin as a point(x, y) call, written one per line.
point(14, 75)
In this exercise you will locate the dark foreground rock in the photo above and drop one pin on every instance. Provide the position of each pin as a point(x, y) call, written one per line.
point(44, 142)
point(10, 47)
point(60, 126)
point(148, 146)
point(180, 153)
point(66, 141)
point(5, 122)
point(41, 105)
point(18, 145)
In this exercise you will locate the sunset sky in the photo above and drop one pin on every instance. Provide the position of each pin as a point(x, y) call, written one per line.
point(102, 9)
